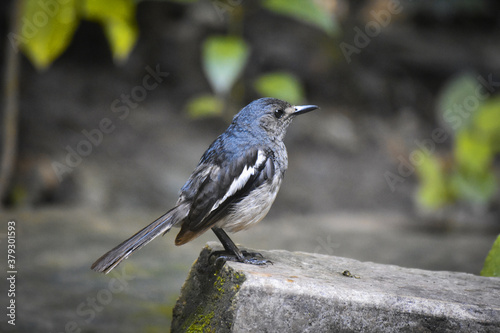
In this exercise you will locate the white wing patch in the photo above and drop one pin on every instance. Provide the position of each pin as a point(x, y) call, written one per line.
point(240, 182)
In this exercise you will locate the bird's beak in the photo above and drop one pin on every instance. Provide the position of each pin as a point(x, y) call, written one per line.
point(300, 109)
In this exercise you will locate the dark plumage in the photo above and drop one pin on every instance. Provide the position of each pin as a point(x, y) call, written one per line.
point(233, 186)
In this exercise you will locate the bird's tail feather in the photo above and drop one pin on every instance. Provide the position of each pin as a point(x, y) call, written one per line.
point(112, 258)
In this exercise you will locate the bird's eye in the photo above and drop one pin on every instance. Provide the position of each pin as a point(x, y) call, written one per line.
point(278, 113)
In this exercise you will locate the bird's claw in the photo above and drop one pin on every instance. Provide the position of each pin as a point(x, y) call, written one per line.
point(249, 257)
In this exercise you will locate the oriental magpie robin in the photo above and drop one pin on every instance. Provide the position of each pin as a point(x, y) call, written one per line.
point(233, 186)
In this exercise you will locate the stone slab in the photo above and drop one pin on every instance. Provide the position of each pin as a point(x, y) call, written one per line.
point(304, 292)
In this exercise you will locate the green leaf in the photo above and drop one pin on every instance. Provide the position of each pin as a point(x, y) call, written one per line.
point(457, 102)
point(433, 190)
point(492, 263)
point(304, 10)
point(474, 179)
point(205, 106)
point(47, 30)
point(118, 20)
point(474, 187)
point(487, 121)
point(472, 151)
point(224, 58)
point(280, 85)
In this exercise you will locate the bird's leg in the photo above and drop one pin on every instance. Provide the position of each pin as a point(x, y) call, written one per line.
point(228, 244)
point(232, 253)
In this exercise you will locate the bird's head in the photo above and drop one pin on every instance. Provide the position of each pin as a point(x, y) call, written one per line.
point(271, 115)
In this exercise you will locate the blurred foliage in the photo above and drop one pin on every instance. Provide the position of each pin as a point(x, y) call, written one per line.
point(45, 36)
point(304, 10)
point(434, 189)
point(47, 27)
point(492, 263)
point(282, 85)
point(475, 124)
point(51, 27)
point(204, 106)
point(224, 58)
point(117, 18)
point(451, 100)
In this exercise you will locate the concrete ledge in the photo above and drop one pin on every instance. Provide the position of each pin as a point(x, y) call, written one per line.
point(304, 292)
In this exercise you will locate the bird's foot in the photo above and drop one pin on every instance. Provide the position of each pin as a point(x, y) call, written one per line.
point(248, 257)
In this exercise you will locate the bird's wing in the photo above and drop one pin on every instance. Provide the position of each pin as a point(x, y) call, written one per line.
point(221, 186)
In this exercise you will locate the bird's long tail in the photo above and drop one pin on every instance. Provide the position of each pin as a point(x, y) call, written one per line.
point(112, 258)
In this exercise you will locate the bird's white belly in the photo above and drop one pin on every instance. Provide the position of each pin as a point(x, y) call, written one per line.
point(252, 209)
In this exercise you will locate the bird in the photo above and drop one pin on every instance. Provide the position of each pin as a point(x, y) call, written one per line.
point(233, 186)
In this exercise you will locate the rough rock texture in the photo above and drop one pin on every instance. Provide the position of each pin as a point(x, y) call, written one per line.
point(303, 292)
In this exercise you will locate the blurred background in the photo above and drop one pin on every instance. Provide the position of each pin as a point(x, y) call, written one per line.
point(107, 107)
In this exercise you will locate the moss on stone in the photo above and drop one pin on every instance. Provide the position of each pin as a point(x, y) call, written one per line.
point(200, 322)
point(215, 287)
